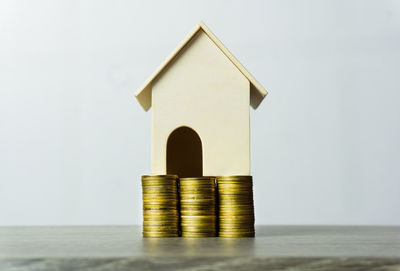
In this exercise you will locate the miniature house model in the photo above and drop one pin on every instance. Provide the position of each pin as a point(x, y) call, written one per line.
point(200, 98)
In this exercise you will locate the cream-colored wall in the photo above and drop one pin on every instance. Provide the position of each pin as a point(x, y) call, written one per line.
point(202, 89)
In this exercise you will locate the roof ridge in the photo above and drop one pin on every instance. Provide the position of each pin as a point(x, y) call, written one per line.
point(257, 91)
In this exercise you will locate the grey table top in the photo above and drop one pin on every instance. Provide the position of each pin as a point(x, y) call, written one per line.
point(89, 248)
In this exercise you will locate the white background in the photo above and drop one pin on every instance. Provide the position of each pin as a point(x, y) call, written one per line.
point(74, 141)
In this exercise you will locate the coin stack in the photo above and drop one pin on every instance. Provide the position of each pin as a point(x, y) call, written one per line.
point(198, 207)
point(236, 209)
point(160, 206)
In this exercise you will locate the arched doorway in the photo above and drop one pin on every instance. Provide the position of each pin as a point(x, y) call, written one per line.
point(184, 153)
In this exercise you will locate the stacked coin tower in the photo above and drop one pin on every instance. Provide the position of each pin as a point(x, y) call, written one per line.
point(198, 207)
point(160, 206)
point(236, 208)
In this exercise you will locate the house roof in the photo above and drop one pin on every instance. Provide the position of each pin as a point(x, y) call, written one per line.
point(257, 92)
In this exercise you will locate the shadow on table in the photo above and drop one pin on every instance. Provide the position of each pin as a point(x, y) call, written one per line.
point(206, 247)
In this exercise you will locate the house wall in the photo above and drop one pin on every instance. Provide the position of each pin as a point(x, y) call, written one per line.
point(203, 90)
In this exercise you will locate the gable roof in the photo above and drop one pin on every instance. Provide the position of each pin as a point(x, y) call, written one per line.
point(257, 92)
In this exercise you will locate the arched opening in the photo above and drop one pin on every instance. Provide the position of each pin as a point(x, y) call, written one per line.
point(184, 153)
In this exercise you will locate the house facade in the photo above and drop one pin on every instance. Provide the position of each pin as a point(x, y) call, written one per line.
point(200, 99)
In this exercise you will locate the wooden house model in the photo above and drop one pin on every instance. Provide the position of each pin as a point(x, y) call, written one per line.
point(200, 99)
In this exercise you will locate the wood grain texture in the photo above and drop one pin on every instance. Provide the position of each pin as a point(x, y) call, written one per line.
point(214, 263)
point(270, 242)
point(273, 248)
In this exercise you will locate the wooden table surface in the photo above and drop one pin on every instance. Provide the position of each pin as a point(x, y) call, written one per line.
point(273, 248)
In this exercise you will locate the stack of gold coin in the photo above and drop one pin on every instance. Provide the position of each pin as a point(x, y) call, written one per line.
point(236, 208)
point(160, 206)
point(198, 207)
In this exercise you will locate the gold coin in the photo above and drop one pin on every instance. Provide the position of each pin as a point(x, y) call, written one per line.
point(160, 213)
point(224, 219)
point(235, 192)
point(198, 202)
point(160, 195)
point(238, 183)
point(206, 210)
point(235, 213)
point(190, 235)
point(171, 185)
point(199, 227)
point(198, 206)
point(233, 205)
point(242, 235)
point(238, 190)
point(152, 177)
point(235, 177)
point(194, 195)
point(241, 209)
point(188, 179)
point(161, 201)
point(165, 212)
point(156, 221)
point(199, 213)
point(160, 227)
point(236, 231)
point(197, 221)
point(199, 230)
point(160, 223)
point(197, 186)
point(197, 199)
point(160, 219)
point(234, 220)
point(160, 185)
point(236, 207)
point(190, 222)
point(234, 198)
point(159, 198)
point(232, 202)
point(245, 208)
point(196, 210)
point(167, 186)
point(234, 182)
point(197, 189)
point(236, 223)
point(197, 217)
point(224, 187)
point(232, 227)
point(159, 235)
point(160, 191)
point(159, 208)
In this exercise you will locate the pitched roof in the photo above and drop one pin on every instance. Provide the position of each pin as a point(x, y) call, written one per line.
point(257, 92)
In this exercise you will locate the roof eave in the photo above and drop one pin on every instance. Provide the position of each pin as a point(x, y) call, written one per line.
point(257, 91)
